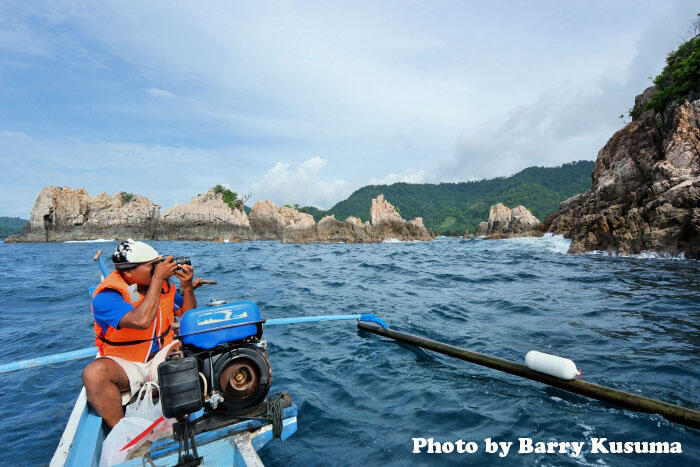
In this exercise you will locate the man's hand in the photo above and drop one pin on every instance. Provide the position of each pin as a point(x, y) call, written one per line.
point(185, 274)
point(164, 270)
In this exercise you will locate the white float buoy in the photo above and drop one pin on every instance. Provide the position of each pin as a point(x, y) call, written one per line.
point(553, 365)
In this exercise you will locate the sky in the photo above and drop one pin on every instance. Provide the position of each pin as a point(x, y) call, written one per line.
point(305, 102)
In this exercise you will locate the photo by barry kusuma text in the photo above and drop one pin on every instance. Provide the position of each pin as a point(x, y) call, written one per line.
point(504, 448)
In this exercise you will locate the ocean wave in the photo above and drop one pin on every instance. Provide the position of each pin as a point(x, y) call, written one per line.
point(396, 240)
point(549, 242)
point(628, 323)
point(642, 255)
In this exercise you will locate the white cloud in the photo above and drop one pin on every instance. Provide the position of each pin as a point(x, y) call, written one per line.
point(407, 176)
point(419, 91)
point(557, 127)
point(155, 92)
point(283, 184)
point(567, 121)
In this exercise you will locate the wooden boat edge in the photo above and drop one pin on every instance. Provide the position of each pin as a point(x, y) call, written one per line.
point(83, 434)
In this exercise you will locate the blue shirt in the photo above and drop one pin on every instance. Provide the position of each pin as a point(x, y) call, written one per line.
point(109, 307)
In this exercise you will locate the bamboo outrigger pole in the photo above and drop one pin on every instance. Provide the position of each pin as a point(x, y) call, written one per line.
point(675, 413)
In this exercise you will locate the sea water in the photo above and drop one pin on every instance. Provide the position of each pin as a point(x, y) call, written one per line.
point(632, 323)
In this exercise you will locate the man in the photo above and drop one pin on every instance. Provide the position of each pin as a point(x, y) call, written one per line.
point(134, 310)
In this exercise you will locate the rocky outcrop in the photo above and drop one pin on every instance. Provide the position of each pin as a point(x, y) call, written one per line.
point(352, 230)
point(383, 212)
point(62, 214)
point(206, 217)
point(270, 222)
point(386, 224)
point(645, 194)
point(507, 223)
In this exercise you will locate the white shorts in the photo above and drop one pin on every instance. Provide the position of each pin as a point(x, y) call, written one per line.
point(138, 372)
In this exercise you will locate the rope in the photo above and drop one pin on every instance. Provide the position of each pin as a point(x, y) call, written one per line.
point(274, 414)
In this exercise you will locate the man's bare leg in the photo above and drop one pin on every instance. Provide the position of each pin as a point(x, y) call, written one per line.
point(104, 381)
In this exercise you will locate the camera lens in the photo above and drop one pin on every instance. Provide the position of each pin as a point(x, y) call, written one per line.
point(183, 260)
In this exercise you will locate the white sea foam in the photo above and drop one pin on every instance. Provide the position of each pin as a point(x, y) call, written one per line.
point(97, 240)
point(548, 242)
point(396, 240)
point(642, 255)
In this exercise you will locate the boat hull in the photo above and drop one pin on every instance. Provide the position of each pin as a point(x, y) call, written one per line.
point(236, 444)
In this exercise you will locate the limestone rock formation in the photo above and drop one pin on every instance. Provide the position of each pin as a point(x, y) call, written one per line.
point(206, 217)
point(483, 229)
point(386, 223)
point(506, 223)
point(270, 222)
point(352, 230)
point(62, 214)
point(645, 194)
point(383, 211)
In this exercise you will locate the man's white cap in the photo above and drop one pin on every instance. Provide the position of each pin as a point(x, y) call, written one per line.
point(131, 253)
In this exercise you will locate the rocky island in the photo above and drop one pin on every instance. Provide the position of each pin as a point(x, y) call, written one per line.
point(64, 214)
point(504, 222)
point(61, 213)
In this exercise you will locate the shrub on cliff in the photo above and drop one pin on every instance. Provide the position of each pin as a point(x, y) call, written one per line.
point(679, 80)
point(229, 197)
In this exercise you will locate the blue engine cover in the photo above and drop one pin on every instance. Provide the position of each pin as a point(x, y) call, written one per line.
point(242, 317)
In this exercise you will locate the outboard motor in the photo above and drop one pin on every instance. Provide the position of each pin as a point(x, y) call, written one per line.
point(223, 367)
point(232, 363)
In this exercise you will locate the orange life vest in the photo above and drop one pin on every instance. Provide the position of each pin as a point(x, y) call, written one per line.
point(129, 343)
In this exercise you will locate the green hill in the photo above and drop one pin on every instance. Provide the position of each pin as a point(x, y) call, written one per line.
point(11, 226)
point(452, 208)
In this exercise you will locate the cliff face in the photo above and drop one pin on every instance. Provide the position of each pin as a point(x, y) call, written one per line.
point(206, 217)
point(645, 194)
point(62, 214)
point(270, 222)
point(504, 222)
point(352, 230)
point(386, 223)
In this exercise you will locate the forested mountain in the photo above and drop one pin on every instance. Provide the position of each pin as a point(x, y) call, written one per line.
point(452, 208)
point(11, 226)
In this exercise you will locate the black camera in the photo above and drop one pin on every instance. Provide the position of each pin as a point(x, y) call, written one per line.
point(180, 260)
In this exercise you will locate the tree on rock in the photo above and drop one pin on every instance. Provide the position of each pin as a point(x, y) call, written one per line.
point(229, 197)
